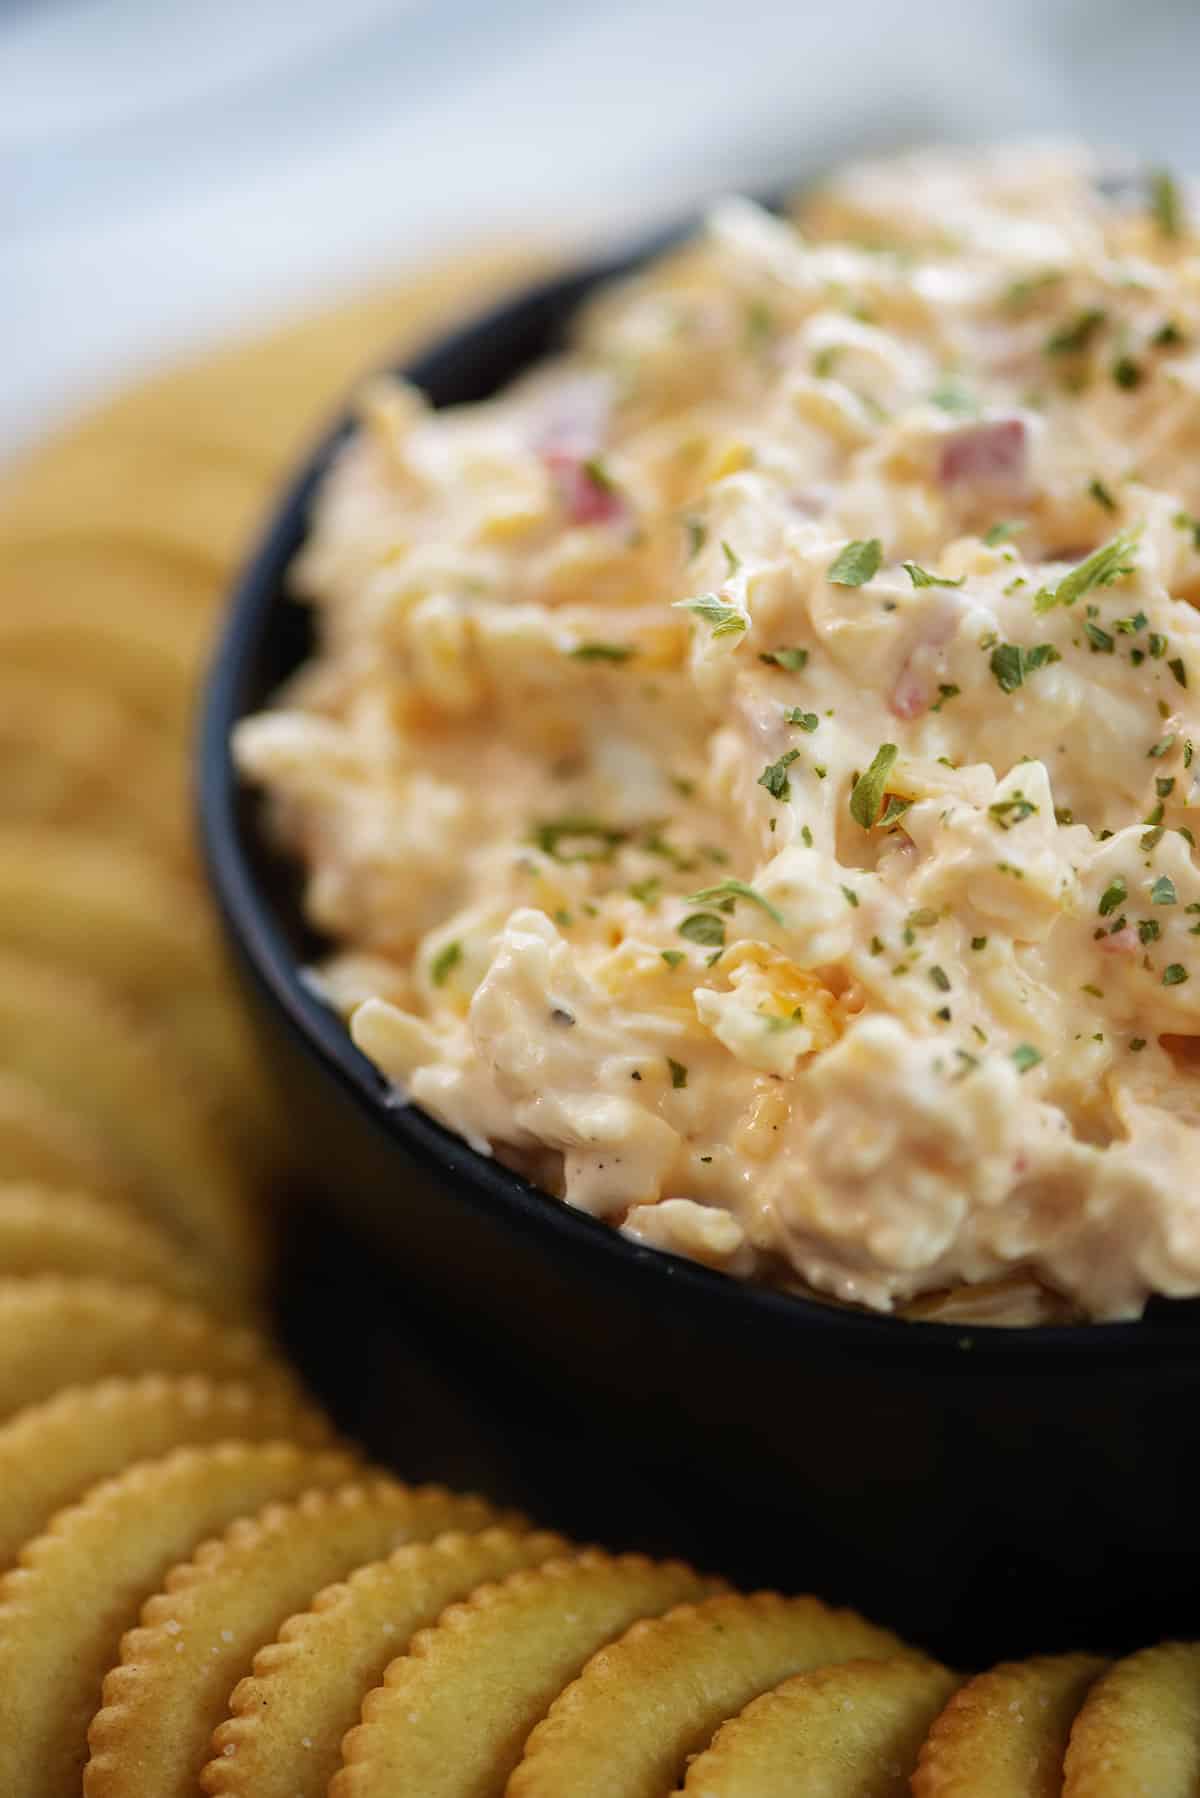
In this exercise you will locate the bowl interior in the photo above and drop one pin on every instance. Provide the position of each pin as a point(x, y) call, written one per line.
point(266, 637)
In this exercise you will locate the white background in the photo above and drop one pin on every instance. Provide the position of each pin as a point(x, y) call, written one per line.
point(169, 168)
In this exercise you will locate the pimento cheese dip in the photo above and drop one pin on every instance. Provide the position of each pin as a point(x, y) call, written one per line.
point(747, 771)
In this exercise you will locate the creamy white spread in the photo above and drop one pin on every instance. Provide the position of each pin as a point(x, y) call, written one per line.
point(748, 766)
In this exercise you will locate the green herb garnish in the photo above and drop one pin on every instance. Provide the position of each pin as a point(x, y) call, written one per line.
point(921, 577)
point(596, 839)
point(791, 659)
point(1024, 1057)
point(1077, 333)
point(1166, 203)
point(774, 776)
point(805, 720)
point(603, 652)
point(678, 1073)
point(1008, 812)
point(444, 963)
point(704, 927)
point(857, 563)
point(1114, 894)
point(1011, 663)
point(866, 796)
point(1104, 566)
point(1163, 891)
point(1175, 974)
point(735, 889)
point(725, 620)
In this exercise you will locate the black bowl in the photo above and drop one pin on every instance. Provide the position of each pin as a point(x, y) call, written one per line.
point(985, 1490)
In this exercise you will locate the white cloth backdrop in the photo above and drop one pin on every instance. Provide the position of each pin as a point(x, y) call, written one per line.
point(169, 168)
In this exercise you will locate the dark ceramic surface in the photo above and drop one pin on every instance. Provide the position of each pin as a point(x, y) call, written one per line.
point(986, 1491)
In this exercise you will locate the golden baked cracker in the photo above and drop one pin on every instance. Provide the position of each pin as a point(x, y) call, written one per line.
point(171, 1686)
point(57, 1332)
point(101, 768)
point(1004, 1734)
point(283, 1737)
point(1137, 1734)
point(643, 1704)
point(43, 1231)
point(81, 1044)
point(78, 1587)
point(52, 1453)
point(848, 1731)
point(497, 1660)
point(45, 1142)
point(117, 914)
point(162, 594)
point(186, 497)
point(157, 680)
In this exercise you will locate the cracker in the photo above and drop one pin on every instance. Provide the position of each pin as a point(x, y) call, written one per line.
point(115, 914)
point(1138, 1732)
point(158, 684)
point(283, 1737)
point(52, 1453)
point(79, 1586)
point(1004, 1734)
point(47, 1232)
point(498, 1659)
point(642, 1705)
point(57, 1332)
point(171, 1687)
point(848, 1731)
point(101, 768)
point(44, 1142)
point(189, 499)
point(134, 622)
point(79, 1043)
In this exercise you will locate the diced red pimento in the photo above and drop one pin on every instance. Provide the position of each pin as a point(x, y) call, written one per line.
point(985, 455)
point(910, 695)
point(1121, 942)
point(587, 494)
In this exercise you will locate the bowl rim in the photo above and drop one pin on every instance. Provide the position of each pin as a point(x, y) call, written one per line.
point(252, 923)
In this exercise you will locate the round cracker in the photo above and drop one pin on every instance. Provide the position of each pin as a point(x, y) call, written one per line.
point(79, 1586)
point(642, 1705)
point(51, 1453)
point(160, 594)
point(43, 1231)
point(156, 681)
point(171, 1687)
point(43, 1142)
point(79, 1042)
point(101, 768)
point(498, 1659)
point(848, 1731)
point(187, 498)
point(283, 1736)
point(57, 1332)
point(114, 913)
point(1004, 1734)
point(1137, 1734)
